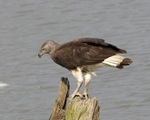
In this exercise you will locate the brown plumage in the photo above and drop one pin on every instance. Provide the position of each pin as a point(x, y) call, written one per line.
point(83, 56)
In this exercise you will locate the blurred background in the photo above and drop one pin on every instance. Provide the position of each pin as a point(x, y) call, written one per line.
point(29, 85)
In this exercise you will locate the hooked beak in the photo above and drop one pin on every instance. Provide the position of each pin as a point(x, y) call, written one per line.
point(40, 55)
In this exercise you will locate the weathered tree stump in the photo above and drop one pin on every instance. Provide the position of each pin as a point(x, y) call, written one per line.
point(77, 109)
point(80, 109)
point(58, 112)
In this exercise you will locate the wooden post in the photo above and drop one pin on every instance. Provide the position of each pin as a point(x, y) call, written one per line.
point(77, 109)
point(80, 109)
point(58, 112)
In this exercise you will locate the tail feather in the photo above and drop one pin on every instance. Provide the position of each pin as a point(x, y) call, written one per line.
point(117, 61)
point(126, 61)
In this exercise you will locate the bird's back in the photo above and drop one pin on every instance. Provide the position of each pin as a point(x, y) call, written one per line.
point(84, 51)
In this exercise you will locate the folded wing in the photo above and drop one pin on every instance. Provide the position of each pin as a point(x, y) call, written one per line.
point(84, 51)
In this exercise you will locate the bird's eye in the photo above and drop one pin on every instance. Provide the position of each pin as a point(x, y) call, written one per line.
point(43, 48)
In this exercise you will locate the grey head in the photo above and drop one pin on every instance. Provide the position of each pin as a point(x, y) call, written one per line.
point(47, 48)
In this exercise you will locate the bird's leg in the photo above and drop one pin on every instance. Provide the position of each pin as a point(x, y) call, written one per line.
point(87, 82)
point(78, 75)
point(76, 92)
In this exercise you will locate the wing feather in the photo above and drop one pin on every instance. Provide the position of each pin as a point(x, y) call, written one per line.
point(84, 51)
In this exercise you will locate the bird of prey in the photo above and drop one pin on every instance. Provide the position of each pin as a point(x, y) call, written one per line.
point(83, 56)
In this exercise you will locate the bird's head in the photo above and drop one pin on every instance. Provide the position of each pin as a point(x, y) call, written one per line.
point(47, 48)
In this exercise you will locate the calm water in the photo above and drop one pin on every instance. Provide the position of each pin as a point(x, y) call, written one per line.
point(29, 86)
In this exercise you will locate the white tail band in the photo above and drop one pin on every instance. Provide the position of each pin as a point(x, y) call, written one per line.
point(114, 60)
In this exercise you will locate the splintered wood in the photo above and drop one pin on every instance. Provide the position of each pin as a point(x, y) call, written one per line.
point(77, 108)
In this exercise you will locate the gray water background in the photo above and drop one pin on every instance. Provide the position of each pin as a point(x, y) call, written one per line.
point(29, 86)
